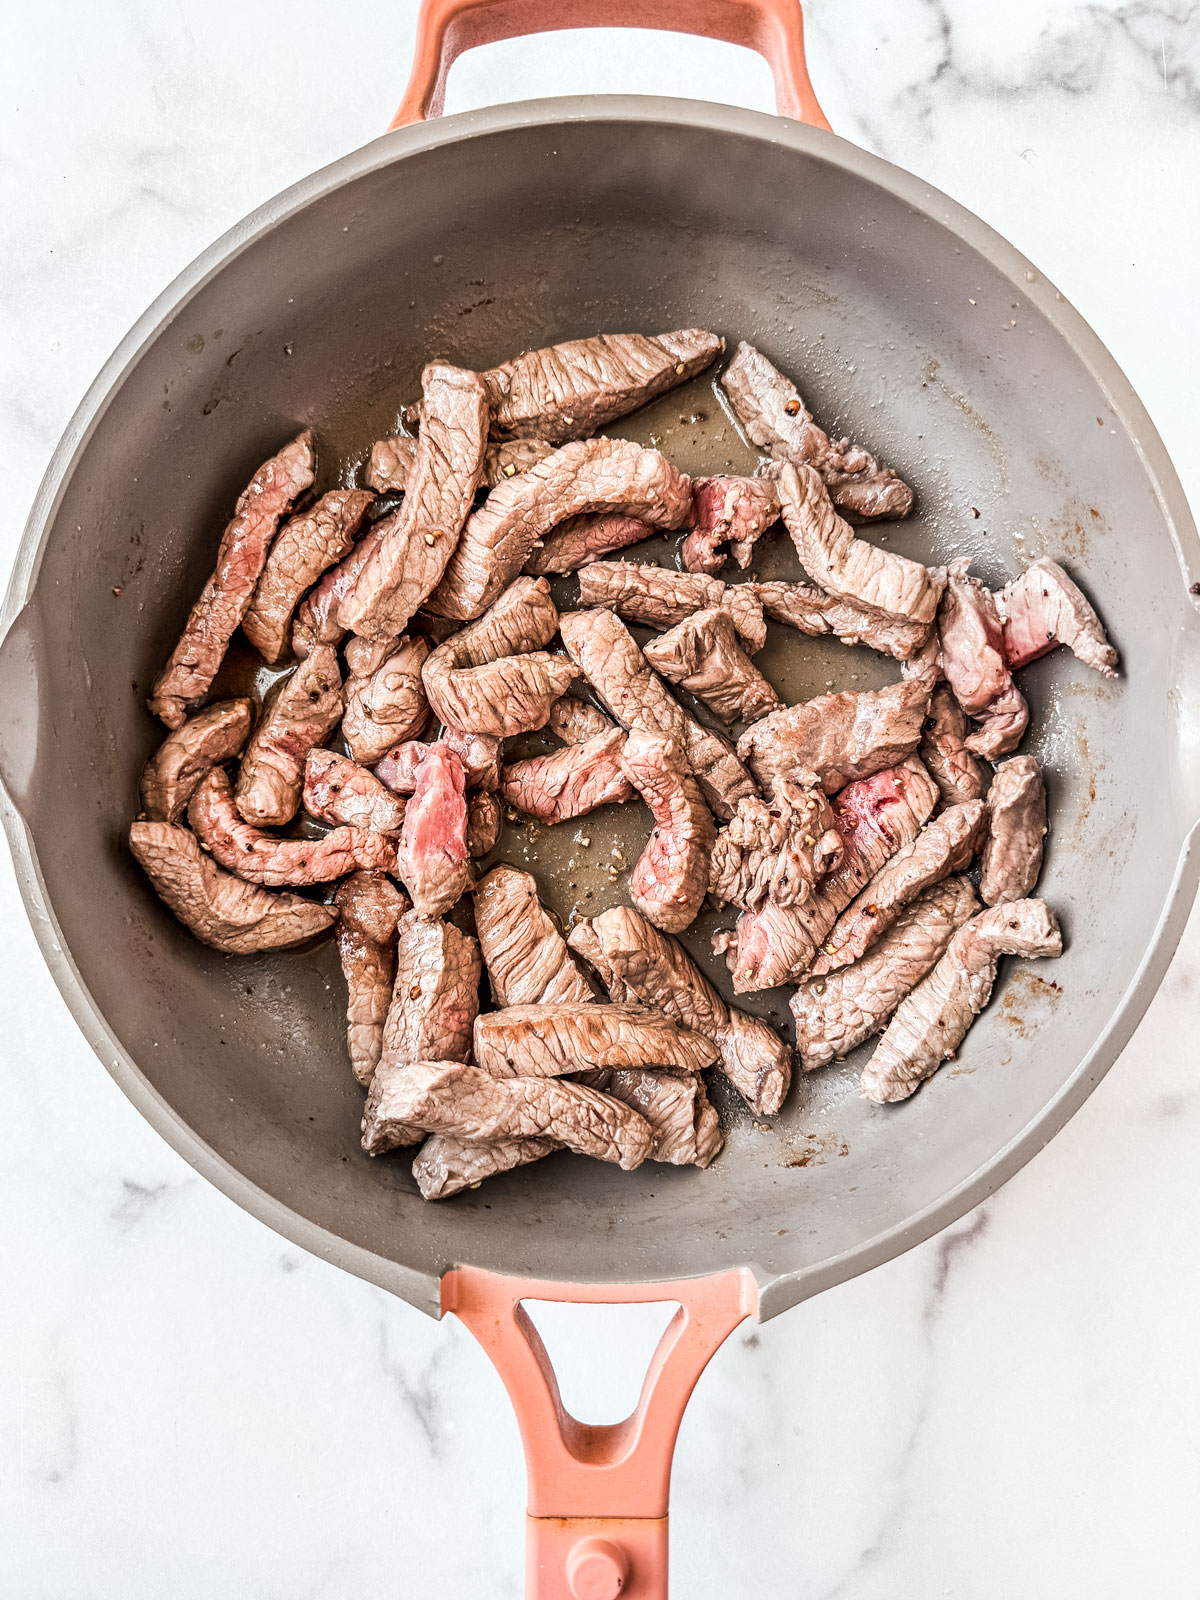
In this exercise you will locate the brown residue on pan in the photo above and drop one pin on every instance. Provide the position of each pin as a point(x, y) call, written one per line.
point(1025, 991)
point(814, 1149)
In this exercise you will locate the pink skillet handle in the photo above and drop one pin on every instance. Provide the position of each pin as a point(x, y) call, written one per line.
point(447, 28)
point(597, 1494)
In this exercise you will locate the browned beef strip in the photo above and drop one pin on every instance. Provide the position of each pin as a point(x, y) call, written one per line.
point(579, 540)
point(445, 1165)
point(576, 721)
point(436, 996)
point(777, 420)
point(340, 792)
point(1043, 608)
point(946, 845)
point(972, 660)
point(1012, 856)
point(187, 676)
point(943, 749)
point(478, 752)
point(392, 461)
point(451, 1097)
point(568, 391)
point(569, 782)
point(305, 547)
point(840, 737)
point(527, 957)
point(728, 511)
point(702, 655)
point(605, 650)
point(834, 1014)
point(261, 857)
point(549, 1040)
point(221, 910)
point(418, 540)
point(775, 850)
point(433, 862)
point(484, 820)
point(818, 614)
point(316, 620)
point(932, 1022)
point(589, 476)
point(668, 882)
point(637, 962)
point(205, 740)
point(387, 705)
point(369, 906)
point(687, 1131)
point(660, 598)
point(304, 711)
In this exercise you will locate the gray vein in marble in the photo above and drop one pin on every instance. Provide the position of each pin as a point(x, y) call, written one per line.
point(422, 1396)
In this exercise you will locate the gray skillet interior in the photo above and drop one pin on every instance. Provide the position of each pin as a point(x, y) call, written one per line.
point(908, 324)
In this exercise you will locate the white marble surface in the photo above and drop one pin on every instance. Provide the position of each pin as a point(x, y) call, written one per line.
point(189, 1406)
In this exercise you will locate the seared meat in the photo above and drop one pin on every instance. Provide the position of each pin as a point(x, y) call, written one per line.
point(225, 598)
point(317, 614)
point(943, 749)
point(569, 782)
point(590, 476)
point(266, 858)
point(417, 540)
point(527, 957)
point(972, 659)
point(483, 823)
point(392, 459)
point(776, 850)
point(1012, 856)
point(450, 1097)
point(703, 656)
point(391, 463)
point(303, 713)
point(660, 598)
point(576, 721)
point(478, 752)
point(446, 1165)
point(1043, 608)
point(369, 907)
point(305, 547)
point(579, 540)
point(436, 997)
point(570, 390)
point(835, 1014)
point(205, 740)
point(638, 963)
point(931, 1023)
point(840, 737)
point(947, 844)
point(432, 862)
point(728, 511)
point(550, 1040)
point(339, 791)
point(604, 649)
point(818, 614)
point(667, 884)
point(687, 1131)
point(777, 420)
point(386, 705)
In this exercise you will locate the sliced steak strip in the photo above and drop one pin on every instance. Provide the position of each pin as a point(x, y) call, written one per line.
point(777, 420)
point(568, 391)
point(1043, 608)
point(205, 741)
point(547, 1041)
point(579, 540)
point(317, 614)
point(591, 476)
point(932, 1022)
point(266, 858)
point(576, 721)
point(946, 845)
point(669, 880)
point(777, 850)
point(387, 705)
point(638, 963)
point(305, 710)
point(451, 1097)
point(605, 650)
point(417, 541)
point(436, 997)
point(1012, 856)
point(305, 547)
point(369, 907)
point(445, 1165)
point(433, 862)
point(836, 1013)
point(225, 598)
point(340, 792)
point(812, 611)
point(392, 461)
point(702, 655)
point(484, 820)
point(728, 511)
point(943, 749)
point(972, 660)
point(570, 782)
point(660, 598)
point(527, 957)
point(687, 1131)
point(839, 737)
point(478, 752)
point(221, 910)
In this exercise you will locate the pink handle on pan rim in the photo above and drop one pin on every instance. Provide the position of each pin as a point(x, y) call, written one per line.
point(597, 1494)
point(447, 28)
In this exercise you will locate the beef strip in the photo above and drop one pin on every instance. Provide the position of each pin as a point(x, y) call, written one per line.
point(392, 460)
point(1012, 856)
point(550, 1040)
point(225, 598)
point(484, 819)
point(527, 957)
point(221, 910)
point(445, 1165)
point(436, 997)
point(432, 862)
point(302, 714)
point(569, 782)
point(636, 696)
point(305, 547)
point(1043, 608)
point(687, 1131)
point(316, 619)
point(972, 659)
point(943, 749)
point(451, 1097)
point(580, 540)
point(369, 906)
point(592, 475)
point(777, 420)
point(638, 963)
point(835, 1014)
point(576, 721)
point(946, 845)
point(812, 611)
point(932, 1022)
point(728, 511)
point(568, 391)
point(839, 737)
point(391, 463)
point(669, 879)
point(702, 655)
point(340, 792)
point(387, 705)
point(417, 541)
point(777, 850)
point(478, 752)
point(205, 741)
point(265, 857)
point(660, 598)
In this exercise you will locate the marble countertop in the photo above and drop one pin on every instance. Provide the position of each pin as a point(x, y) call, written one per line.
point(190, 1406)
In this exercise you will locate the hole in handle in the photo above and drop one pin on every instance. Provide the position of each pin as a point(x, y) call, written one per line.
point(600, 1353)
